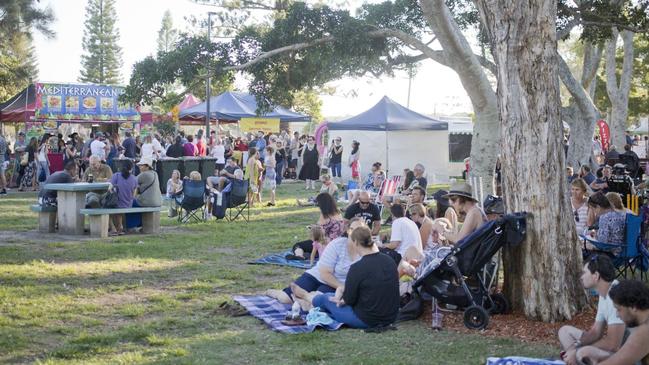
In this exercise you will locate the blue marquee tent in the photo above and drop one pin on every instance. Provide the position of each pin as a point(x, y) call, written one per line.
point(234, 106)
point(388, 115)
point(397, 137)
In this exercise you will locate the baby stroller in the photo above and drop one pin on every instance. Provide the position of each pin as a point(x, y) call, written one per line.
point(465, 275)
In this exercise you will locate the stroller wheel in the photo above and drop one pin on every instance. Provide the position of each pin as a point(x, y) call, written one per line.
point(476, 318)
point(501, 304)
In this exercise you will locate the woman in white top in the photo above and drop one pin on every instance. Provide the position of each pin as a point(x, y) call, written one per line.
point(218, 152)
point(579, 202)
point(147, 150)
point(41, 157)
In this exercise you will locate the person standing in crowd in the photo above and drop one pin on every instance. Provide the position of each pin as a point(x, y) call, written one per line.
point(335, 159)
point(310, 171)
point(97, 171)
point(189, 148)
point(579, 203)
point(176, 150)
point(43, 170)
point(260, 145)
point(201, 150)
point(70, 152)
point(598, 151)
point(115, 150)
point(280, 160)
point(270, 181)
point(19, 150)
point(293, 156)
point(354, 162)
point(98, 147)
point(129, 146)
point(29, 167)
point(218, 152)
point(148, 150)
point(253, 175)
point(3, 152)
point(126, 184)
point(48, 197)
point(598, 274)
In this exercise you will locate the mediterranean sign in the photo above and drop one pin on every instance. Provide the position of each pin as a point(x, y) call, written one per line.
point(266, 125)
point(79, 102)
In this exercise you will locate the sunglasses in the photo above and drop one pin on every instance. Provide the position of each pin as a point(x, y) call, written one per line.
point(576, 216)
point(363, 203)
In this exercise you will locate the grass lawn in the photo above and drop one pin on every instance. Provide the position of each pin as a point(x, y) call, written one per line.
point(154, 299)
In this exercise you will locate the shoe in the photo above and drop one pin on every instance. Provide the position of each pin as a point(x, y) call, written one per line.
point(270, 204)
point(3, 192)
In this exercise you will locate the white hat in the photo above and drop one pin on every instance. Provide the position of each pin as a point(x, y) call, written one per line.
point(146, 161)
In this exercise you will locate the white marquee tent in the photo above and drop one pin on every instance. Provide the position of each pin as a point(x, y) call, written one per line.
point(397, 137)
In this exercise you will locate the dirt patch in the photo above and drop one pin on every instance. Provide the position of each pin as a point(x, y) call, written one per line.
point(514, 325)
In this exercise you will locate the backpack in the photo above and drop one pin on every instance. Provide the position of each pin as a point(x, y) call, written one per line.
point(110, 199)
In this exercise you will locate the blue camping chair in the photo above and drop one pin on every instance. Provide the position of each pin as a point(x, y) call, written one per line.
point(630, 257)
point(237, 200)
point(192, 205)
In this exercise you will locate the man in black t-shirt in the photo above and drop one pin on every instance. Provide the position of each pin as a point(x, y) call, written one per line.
point(367, 210)
point(67, 176)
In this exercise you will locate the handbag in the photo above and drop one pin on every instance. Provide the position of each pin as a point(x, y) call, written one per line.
point(24, 160)
point(110, 199)
point(42, 176)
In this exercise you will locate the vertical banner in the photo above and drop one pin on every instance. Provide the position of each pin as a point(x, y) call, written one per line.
point(604, 134)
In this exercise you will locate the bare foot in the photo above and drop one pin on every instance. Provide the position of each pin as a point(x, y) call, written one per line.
point(298, 292)
point(279, 295)
point(304, 304)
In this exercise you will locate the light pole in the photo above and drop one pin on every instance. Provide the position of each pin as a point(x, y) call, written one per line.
point(208, 90)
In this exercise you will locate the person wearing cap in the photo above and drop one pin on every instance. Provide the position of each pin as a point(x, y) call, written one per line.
point(147, 193)
point(461, 198)
point(99, 147)
point(493, 207)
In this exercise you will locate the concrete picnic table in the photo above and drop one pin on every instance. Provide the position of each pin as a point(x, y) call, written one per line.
point(71, 199)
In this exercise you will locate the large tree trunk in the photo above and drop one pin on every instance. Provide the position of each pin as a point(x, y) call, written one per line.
point(542, 274)
point(484, 146)
point(619, 94)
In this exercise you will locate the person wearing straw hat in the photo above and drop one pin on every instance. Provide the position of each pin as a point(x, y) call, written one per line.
point(461, 198)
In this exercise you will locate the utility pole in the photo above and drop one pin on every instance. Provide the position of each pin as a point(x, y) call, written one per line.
point(208, 90)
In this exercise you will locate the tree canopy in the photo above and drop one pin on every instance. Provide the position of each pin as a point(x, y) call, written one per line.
point(102, 60)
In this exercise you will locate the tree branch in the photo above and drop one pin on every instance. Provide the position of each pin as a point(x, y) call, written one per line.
point(583, 100)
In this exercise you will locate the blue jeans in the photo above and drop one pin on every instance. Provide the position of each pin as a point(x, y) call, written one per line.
point(344, 314)
point(133, 220)
point(279, 172)
point(309, 283)
point(43, 165)
point(335, 169)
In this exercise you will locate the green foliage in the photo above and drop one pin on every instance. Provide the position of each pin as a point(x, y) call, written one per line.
point(18, 19)
point(167, 35)
point(102, 60)
point(17, 65)
point(598, 16)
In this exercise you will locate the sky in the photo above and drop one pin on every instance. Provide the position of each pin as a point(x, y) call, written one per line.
point(434, 89)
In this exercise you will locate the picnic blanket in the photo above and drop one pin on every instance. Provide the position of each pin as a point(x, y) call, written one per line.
point(273, 312)
point(280, 259)
point(516, 360)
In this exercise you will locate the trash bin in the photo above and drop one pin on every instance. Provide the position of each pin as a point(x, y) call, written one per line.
point(165, 167)
point(119, 163)
point(190, 164)
point(207, 168)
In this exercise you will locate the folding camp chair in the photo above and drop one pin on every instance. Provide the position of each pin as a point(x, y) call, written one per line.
point(630, 256)
point(389, 187)
point(237, 199)
point(192, 205)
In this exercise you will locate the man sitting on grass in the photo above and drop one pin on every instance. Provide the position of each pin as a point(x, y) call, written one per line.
point(631, 300)
point(367, 210)
point(598, 274)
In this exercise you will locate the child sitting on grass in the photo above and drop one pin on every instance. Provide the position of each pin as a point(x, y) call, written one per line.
point(314, 246)
point(328, 186)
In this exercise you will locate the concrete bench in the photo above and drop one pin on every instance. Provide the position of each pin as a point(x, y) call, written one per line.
point(46, 218)
point(99, 219)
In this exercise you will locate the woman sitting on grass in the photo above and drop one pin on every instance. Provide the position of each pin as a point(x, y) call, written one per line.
point(329, 273)
point(369, 297)
point(331, 222)
point(328, 186)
